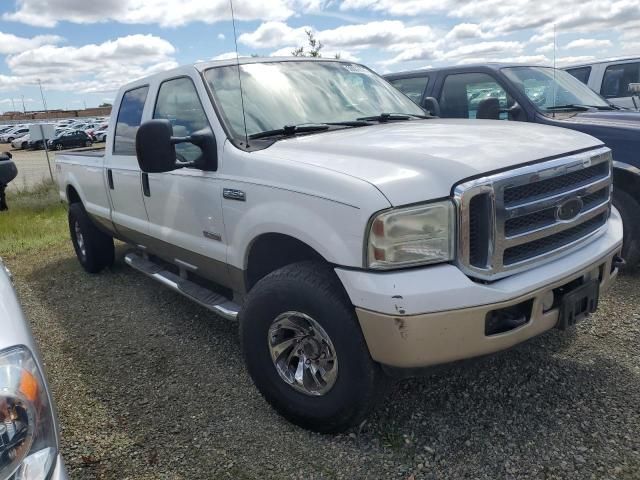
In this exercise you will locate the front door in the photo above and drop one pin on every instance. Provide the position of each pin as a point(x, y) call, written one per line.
point(185, 205)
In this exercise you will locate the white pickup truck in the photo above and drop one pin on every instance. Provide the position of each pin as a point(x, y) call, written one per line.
point(352, 235)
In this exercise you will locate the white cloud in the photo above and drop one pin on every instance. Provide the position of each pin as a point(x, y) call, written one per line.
point(221, 36)
point(93, 67)
point(588, 43)
point(549, 47)
point(562, 61)
point(10, 43)
point(466, 31)
point(167, 13)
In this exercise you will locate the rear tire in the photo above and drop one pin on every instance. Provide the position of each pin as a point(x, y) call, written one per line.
point(311, 290)
point(94, 248)
point(629, 209)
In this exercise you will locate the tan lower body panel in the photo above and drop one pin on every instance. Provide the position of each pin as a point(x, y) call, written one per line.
point(442, 337)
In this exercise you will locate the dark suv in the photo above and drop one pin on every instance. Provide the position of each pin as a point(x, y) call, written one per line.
point(541, 95)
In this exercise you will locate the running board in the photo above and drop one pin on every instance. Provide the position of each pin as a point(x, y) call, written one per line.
point(215, 302)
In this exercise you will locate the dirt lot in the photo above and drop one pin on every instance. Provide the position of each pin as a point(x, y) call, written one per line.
point(32, 166)
point(149, 385)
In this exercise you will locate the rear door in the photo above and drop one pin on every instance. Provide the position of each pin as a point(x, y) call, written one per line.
point(122, 170)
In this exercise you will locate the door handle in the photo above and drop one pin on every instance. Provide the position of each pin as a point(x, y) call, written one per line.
point(145, 184)
point(110, 178)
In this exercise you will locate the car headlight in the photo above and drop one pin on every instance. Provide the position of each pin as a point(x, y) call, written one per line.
point(28, 446)
point(409, 236)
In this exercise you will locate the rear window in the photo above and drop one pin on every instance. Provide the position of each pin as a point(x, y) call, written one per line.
point(617, 78)
point(129, 118)
point(581, 73)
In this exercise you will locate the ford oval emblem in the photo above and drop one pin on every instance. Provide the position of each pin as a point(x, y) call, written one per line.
point(569, 209)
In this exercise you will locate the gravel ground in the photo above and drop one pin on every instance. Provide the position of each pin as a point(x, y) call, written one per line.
point(151, 386)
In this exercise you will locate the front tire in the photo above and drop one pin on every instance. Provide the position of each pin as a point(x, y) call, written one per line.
point(296, 324)
point(94, 248)
point(629, 210)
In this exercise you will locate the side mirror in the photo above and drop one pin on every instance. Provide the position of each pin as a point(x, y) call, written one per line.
point(156, 148)
point(432, 106)
point(634, 88)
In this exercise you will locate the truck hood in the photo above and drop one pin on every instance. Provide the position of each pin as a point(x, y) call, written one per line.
point(420, 160)
point(624, 118)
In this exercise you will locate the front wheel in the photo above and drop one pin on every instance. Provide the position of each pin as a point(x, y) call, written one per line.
point(58, 146)
point(305, 351)
point(629, 209)
point(94, 248)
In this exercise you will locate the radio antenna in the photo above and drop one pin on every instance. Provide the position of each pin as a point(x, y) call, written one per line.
point(235, 40)
point(555, 45)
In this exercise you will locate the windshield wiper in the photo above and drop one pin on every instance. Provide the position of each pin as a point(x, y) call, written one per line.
point(386, 117)
point(570, 106)
point(289, 130)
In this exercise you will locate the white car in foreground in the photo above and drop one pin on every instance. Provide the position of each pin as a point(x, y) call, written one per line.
point(350, 234)
point(29, 436)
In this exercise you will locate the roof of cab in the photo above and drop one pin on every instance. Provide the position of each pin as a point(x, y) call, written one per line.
point(202, 66)
point(471, 67)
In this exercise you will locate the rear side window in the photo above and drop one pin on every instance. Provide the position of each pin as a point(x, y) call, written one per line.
point(581, 73)
point(412, 87)
point(617, 78)
point(129, 118)
point(178, 102)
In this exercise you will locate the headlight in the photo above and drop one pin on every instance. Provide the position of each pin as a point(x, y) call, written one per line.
point(28, 446)
point(410, 236)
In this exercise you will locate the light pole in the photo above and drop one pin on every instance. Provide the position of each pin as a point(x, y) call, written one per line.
point(24, 109)
point(44, 102)
point(13, 104)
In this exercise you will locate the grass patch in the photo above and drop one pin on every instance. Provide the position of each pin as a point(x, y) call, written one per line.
point(36, 219)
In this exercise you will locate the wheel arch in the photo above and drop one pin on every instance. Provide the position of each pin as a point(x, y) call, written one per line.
point(272, 250)
point(627, 178)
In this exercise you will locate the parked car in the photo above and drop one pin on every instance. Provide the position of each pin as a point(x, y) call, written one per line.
point(70, 139)
point(21, 142)
point(38, 144)
point(101, 133)
point(610, 78)
point(546, 96)
point(13, 133)
point(30, 446)
point(348, 242)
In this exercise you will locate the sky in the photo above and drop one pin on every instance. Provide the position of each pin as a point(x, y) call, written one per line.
point(81, 51)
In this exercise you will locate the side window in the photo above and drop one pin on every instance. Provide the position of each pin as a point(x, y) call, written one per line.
point(412, 87)
point(617, 78)
point(581, 73)
point(473, 95)
point(178, 102)
point(129, 118)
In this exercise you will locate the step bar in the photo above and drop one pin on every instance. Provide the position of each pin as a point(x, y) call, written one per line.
point(215, 302)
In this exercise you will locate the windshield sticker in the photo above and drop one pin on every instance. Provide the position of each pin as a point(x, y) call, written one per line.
point(353, 68)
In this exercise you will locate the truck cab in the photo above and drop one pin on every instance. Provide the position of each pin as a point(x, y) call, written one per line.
point(296, 197)
point(542, 95)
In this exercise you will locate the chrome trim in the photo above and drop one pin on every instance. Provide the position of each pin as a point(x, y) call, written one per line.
point(233, 194)
point(495, 185)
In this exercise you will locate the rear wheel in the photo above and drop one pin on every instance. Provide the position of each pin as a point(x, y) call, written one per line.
point(58, 146)
point(305, 351)
point(94, 248)
point(629, 209)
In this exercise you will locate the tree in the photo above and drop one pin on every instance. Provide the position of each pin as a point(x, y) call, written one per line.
point(314, 47)
point(103, 105)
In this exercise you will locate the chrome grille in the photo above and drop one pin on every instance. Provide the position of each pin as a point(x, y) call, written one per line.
point(518, 219)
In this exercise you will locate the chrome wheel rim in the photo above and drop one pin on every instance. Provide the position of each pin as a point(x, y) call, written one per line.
point(302, 353)
point(80, 239)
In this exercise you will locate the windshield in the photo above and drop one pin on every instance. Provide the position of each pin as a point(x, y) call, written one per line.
point(548, 88)
point(302, 92)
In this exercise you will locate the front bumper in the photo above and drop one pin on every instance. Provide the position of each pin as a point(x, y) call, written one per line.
point(429, 316)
